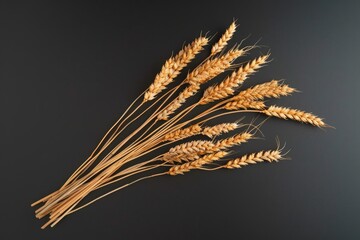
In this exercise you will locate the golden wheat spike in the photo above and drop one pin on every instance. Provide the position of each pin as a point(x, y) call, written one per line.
point(272, 89)
point(227, 87)
point(181, 157)
point(181, 169)
point(200, 75)
point(234, 140)
point(294, 114)
point(219, 129)
point(192, 147)
point(225, 38)
point(213, 67)
point(183, 133)
point(244, 104)
point(270, 156)
point(172, 67)
point(189, 151)
point(178, 101)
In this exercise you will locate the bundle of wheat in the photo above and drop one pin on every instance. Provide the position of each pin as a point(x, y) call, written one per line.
point(116, 158)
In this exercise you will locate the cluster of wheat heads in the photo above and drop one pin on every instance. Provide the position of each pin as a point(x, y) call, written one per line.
point(168, 125)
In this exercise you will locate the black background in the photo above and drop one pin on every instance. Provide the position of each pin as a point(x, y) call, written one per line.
point(69, 69)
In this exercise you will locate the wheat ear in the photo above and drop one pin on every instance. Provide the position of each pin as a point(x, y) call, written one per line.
point(269, 156)
point(272, 89)
point(213, 67)
point(200, 75)
point(227, 87)
point(188, 151)
point(172, 67)
point(192, 147)
point(181, 169)
point(232, 141)
point(183, 133)
point(225, 38)
point(178, 101)
point(181, 157)
point(200, 147)
point(244, 104)
point(294, 114)
point(192, 150)
point(219, 129)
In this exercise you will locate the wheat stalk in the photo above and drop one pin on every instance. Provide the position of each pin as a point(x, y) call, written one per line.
point(294, 114)
point(200, 147)
point(227, 87)
point(269, 156)
point(225, 38)
point(118, 159)
point(244, 104)
point(171, 108)
point(172, 67)
point(219, 129)
point(189, 151)
point(202, 74)
point(183, 133)
point(213, 67)
point(186, 167)
point(270, 89)
point(192, 147)
point(180, 157)
point(232, 141)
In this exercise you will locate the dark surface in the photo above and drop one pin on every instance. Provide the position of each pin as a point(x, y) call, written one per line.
point(69, 70)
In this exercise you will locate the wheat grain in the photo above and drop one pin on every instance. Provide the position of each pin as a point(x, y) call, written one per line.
point(244, 104)
point(225, 38)
point(172, 67)
point(183, 133)
point(186, 167)
point(219, 129)
point(270, 156)
point(227, 87)
point(294, 114)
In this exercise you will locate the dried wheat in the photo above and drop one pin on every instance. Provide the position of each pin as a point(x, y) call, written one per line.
point(270, 156)
point(294, 114)
point(181, 169)
point(232, 141)
point(183, 133)
point(180, 157)
point(172, 67)
point(227, 87)
point(192, 147)
point(178, 101)
point(270, 89)
point(244, 104)
point(219, 129)
point(119, 159)
point(225, 38)
point(189, 150)
point(213, 67)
